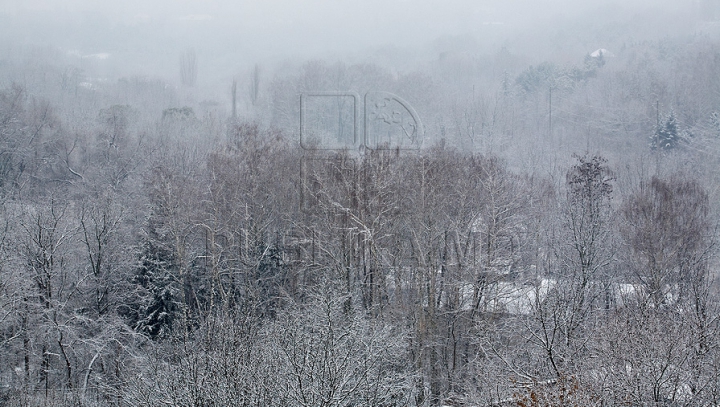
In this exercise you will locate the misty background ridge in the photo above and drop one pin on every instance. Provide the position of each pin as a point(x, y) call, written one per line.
point(146, 37)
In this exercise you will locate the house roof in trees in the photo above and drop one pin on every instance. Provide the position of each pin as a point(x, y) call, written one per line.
point(601, 52)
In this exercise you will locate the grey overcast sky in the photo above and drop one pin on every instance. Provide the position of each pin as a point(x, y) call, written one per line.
point(287, 26)
point(146, 36)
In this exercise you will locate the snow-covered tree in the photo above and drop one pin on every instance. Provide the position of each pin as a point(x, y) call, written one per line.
point(667, 135)
point(159, 306)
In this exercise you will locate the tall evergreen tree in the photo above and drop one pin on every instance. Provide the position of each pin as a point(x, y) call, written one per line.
point(158, 307)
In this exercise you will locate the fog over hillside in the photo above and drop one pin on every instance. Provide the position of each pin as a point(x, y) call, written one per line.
point(146, 37)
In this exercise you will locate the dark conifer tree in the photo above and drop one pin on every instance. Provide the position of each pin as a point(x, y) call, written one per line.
point(158, 303)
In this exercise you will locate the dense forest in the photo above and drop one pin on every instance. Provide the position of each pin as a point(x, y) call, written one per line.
point(547, 237)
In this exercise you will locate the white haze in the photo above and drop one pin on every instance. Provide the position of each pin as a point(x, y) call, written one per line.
point(146, 37)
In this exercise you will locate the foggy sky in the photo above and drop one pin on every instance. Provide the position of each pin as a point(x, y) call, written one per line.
point(146, 37)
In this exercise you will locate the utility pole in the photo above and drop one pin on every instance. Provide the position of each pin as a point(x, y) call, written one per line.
point(234, 99)
point(550, 119)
